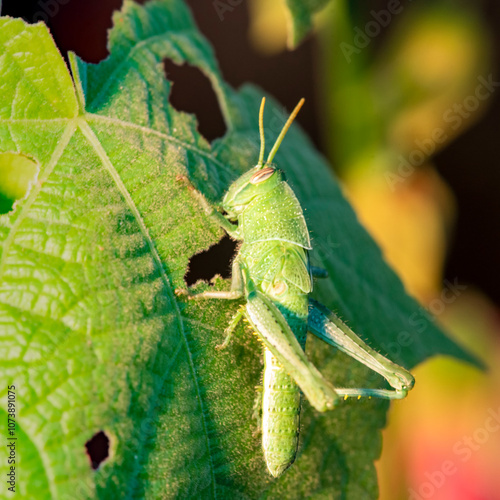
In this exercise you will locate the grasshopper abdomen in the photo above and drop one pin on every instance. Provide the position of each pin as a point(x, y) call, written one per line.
point(281, 403)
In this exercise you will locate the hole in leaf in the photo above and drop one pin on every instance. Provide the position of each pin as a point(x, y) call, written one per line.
point(192, 92)
point(216, 260)
point(17, 174)
point(97, 449)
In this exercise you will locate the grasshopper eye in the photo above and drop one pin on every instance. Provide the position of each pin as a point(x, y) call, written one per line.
point(262, 175)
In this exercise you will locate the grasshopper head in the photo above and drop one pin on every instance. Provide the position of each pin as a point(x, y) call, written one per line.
point(260, 179)
point(256, 182)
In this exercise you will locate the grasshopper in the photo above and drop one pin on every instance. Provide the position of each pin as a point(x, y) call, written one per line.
point(271, 271)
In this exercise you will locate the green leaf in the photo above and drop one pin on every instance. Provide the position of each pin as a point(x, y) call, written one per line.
point(91, 333)
point(300, 18)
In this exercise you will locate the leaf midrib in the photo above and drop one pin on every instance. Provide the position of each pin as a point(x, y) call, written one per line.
point(106, 162)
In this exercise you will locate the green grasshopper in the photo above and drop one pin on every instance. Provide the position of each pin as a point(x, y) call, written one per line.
point(272, 272)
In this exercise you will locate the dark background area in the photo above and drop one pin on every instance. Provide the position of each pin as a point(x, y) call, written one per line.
point(469, 165)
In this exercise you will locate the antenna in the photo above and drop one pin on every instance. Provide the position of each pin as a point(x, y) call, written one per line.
point(261, 131)
point(284, 130)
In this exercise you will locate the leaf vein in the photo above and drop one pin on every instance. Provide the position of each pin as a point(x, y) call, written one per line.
point(165, 137)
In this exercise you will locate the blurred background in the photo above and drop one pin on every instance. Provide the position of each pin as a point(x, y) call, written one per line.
point(403, 97)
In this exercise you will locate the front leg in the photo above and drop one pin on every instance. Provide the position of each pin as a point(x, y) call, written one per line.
point(236, 291)
point(211, 210)
point(330, 328)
